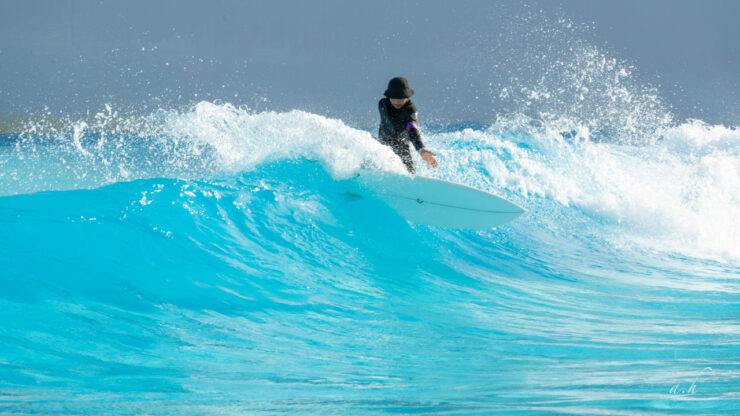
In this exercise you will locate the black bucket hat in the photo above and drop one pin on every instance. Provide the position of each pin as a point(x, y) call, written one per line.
point(398, 87)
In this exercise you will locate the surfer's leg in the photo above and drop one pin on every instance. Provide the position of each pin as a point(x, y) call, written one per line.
point(403, 151)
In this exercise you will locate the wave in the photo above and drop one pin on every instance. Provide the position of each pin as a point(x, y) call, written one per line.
point(271, 280)
point(216, 247)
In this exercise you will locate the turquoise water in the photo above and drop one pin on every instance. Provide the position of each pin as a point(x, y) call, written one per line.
point(205, 264)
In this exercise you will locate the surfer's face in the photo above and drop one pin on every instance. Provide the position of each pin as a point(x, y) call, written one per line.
point(398, 102)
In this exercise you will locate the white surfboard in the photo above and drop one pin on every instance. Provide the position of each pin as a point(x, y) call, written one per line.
point(439, 203)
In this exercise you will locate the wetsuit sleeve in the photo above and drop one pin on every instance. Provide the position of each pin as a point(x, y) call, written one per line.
point(413, 130)
point(414, 135)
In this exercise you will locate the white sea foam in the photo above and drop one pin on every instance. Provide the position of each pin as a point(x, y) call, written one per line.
point(679, 193)
point(197, 142)
point(243, 140)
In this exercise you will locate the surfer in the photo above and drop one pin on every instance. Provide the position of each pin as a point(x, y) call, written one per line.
point(398, 117)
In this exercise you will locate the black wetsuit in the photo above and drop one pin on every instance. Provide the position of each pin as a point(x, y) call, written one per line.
point(397, 128)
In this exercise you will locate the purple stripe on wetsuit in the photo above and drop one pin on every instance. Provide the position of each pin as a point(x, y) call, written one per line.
point(411, 125)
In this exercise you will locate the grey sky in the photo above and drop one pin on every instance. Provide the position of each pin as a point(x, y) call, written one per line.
point(335, 57)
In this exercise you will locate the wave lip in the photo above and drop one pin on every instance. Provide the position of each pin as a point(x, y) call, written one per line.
point(206, 140)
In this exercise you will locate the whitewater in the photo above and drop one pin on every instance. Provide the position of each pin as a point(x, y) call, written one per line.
point(206, 259)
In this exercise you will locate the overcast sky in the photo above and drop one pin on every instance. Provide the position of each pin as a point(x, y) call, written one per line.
point(335, 57)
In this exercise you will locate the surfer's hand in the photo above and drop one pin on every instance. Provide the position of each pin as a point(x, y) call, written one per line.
point(429, 158)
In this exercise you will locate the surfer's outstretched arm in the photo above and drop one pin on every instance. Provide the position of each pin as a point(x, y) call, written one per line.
point(415, 137)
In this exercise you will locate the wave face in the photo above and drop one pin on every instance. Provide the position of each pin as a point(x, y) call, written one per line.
point(208, 261)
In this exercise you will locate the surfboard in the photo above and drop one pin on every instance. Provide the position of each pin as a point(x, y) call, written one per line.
point(437, 202)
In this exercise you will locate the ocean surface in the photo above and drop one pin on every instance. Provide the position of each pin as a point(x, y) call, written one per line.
point(207, 260)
